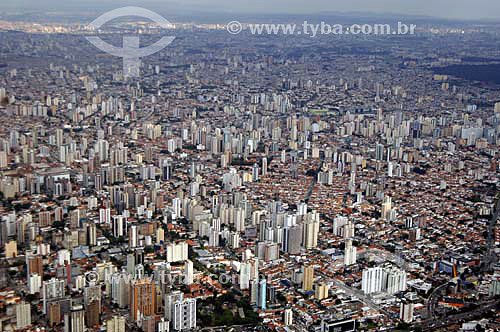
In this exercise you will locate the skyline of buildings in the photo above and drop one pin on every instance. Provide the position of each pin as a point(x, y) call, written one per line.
point(260, 183)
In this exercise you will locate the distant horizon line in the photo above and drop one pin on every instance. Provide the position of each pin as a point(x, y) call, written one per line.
point(6, 10)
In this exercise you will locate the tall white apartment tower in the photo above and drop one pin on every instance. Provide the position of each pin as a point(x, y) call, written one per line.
point(188, 272)
point(349, 253)
point(184, 314)
point(23, 315)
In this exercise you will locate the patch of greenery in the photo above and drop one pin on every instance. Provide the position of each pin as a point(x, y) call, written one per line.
point(218, 311)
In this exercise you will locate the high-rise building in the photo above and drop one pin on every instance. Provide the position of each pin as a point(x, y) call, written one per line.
point(54, 313)
point(142, 299)
point(63, 257)
point(115, 324)
point(105, 216)
point(387, 212)
point(92, 293)
point(288, 317)
point(91, 234)
point(23, 315)
point(163, 326)
point(379, 152)
point(310, 230)
point(494, 288)
point(133, 237)
point(119, 226)
point(149, 324)
point(3, 159)
point(35, 264)
point(184, 314)
point(139, 271)
point(272, 252)
point(11, 249)
point(188, 272)
point(254, 268)
point(166, 170)
point(34, 283)
point(92, 313)
point(293, 239)
point(383, 279)
point(213, 238)
point(234, 240)
point(348, 230)
point(160, 235)
point(262, 294)
point(497, 107)
point(372, 280)
point(406, 311)
point(52, 290)
point(255, 173)
point(170, 299)
point(120, 289)
point(339, 224)
point(322, 291)
point(244, 275)
point(349, 253)
point(177, 252)
point(396, 281)
point(254, 291)
point(308, 279)
point(130, 263)
point(74, 321)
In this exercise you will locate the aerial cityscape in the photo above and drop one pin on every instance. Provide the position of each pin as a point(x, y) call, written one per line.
point(327, 172)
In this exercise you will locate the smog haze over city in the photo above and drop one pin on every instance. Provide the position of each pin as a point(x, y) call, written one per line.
point(286, 166)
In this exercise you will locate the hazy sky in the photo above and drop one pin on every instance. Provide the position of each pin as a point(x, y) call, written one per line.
point(443, 8)
point(463, 9)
